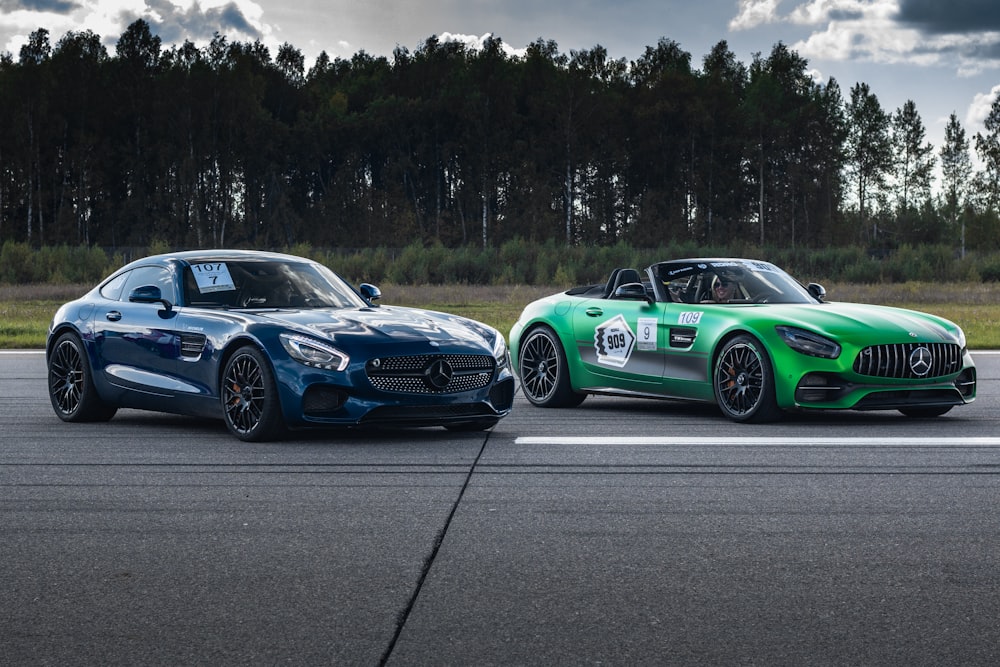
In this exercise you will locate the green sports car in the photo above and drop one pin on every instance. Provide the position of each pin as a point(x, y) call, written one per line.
point(742, 334)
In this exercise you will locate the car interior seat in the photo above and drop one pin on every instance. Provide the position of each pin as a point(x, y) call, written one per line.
point(624, 277)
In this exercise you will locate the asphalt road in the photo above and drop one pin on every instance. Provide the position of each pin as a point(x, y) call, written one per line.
point(622, 532)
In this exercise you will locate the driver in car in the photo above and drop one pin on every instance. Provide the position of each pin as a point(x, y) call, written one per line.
point(724, 289)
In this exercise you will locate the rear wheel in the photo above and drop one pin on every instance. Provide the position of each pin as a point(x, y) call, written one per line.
point(544, 371)
point(249, 396)
point(744, 381)
point(71, 383)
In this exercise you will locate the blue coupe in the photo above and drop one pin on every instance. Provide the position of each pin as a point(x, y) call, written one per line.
point(267, 342)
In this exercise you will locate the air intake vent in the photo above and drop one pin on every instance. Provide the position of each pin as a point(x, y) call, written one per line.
point(192, 345)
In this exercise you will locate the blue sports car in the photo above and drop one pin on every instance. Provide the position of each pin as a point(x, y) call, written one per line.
point(267, 342)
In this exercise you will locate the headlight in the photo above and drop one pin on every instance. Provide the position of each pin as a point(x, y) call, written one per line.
point(314, 353)
point(808, 343)
point(500, 350)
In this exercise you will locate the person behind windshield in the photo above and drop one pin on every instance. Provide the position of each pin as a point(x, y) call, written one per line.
point(723, 289)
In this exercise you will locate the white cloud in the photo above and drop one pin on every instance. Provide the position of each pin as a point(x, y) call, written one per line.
point(754, 13)
point(475, 42)
point(980, 108)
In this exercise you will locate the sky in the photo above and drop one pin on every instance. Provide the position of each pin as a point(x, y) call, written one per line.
point(944, 55)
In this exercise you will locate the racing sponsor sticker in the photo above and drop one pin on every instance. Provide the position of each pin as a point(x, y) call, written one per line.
point(646, 334)
point(693, 317)
point(614, 341)
point(212, 277)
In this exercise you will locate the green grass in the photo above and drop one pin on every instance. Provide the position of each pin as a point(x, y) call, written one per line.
point(25, 311)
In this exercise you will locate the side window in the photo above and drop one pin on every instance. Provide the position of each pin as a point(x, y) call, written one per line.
point(150, 275)
point(113, 288)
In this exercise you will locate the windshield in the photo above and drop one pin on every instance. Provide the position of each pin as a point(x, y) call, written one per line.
point(728, 281)
point(265, 283)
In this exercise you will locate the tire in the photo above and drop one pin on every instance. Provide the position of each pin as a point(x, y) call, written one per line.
point(925, 413)
point(743, 381)
point(71, 383)
point(544, 371)
point(249, 395)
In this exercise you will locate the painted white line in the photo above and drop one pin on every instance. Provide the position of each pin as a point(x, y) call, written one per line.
point(21, 352)
point(762, 441)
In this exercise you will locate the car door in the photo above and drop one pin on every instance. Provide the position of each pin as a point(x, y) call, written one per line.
point(139, 342)
point(619, 344)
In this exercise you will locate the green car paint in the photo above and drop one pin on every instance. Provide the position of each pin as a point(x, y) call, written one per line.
point(772, 346)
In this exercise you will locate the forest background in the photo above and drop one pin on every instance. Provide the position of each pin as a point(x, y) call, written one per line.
point(498, 162)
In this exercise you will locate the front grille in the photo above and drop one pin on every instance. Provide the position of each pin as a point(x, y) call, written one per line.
point(431, 373)
point(909, 361)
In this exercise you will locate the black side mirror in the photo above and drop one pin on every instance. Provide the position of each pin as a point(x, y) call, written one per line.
point(370, 292)
point(149, 294)
point(817, 290)
point(632, 292)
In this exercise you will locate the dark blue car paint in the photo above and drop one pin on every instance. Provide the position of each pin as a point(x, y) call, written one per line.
point(151, 357)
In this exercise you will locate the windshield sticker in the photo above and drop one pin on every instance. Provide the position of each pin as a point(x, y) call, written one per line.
point(647, 334)
point(614, 342)
point(689, 318)
point(757, 265)
point(213, 277)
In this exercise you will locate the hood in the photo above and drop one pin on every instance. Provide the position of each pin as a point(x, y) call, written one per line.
point(384, 324)
point(869, 324)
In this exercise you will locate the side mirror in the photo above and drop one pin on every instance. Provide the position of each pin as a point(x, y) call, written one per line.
point(632, 292)
point(370, 292)
point(149, 294)
point(817, 290)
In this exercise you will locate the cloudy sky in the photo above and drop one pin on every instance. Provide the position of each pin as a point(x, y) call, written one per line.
point(942, 54)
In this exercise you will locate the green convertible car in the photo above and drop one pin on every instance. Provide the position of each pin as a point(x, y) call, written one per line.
point(742, 334)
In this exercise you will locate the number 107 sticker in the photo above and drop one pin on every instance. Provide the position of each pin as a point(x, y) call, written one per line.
point(213, 277)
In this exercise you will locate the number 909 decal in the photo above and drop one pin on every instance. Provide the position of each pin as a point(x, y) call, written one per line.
point(614, 342)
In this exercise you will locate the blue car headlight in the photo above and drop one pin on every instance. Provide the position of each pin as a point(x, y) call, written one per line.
point(314, 353)
point(808, 343)
point(500, 352)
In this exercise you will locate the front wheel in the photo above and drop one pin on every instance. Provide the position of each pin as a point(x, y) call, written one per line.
point(71, 383)
point(744, 381)
point(250, 397)
point(544, 372)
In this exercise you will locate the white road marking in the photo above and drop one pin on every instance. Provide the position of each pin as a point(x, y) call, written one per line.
point(761, 441)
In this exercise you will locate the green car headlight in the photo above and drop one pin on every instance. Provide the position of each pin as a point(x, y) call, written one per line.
point(808, 343)
point(314, 353)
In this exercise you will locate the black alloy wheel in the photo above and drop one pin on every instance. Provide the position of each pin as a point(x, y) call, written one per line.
point(744, 381)
point(544, 371)
point(250, 397)
point(71, 384)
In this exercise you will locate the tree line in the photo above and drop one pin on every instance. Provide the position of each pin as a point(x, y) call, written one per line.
point(457, 146)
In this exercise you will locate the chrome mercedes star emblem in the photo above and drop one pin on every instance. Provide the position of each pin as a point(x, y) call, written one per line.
point(438, 374)
point(920, 361)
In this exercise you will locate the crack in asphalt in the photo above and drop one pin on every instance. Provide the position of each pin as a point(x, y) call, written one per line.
point(404, 614)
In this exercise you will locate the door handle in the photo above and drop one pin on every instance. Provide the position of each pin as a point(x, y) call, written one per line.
point(114, 316)
point(594, 311)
